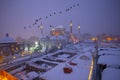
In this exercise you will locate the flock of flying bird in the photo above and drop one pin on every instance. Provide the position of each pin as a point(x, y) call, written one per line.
point(54, 13)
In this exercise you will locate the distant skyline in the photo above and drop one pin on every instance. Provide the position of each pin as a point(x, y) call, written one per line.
point(94, 16)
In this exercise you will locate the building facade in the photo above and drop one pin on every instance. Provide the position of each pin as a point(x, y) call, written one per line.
point(8, 46)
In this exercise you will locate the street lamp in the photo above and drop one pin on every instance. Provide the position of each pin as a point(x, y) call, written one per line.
point(71, 26)
point(14, 57)
point(53, 29)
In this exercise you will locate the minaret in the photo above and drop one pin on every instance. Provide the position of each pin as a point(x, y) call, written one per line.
point(7, 35)
point(71, 26)
point(79, 29)
point(41, 28)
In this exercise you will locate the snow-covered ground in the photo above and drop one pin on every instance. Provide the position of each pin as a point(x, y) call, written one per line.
point(77, 57)
point(79, 71)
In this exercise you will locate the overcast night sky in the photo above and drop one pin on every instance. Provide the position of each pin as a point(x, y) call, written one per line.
point(94, 16)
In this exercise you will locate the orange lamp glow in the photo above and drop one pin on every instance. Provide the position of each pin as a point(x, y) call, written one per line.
point(109, 38)
point(94, 39)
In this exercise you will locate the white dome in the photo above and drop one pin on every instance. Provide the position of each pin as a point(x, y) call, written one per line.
point(59, 26)
point(7, 39)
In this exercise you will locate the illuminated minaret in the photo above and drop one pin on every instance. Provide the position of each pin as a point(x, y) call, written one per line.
point(71, 26)
point(79, 29)
point(41, 28)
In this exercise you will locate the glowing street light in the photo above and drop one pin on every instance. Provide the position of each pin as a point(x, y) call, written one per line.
point(91, 70)
point(14, 57)
point(53, 29)
point(36, 42)
point(22, 55)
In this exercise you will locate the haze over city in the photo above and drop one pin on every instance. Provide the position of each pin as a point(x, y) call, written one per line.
point(59, 39)
point(94, 17)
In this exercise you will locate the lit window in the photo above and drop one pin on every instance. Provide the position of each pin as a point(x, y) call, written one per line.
point(16, 48)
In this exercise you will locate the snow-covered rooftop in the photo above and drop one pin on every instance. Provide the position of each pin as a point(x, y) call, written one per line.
point(109, 60)
point(7, 39)
point(60, 37)
point(109, 52)
point(79, 72)
point(111, 74)
point(32, 75)
point(80, 66)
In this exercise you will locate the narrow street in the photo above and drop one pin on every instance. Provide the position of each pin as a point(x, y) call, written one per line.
point(96, 70)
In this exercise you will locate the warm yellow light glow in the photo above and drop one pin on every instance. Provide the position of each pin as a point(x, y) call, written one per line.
point(115, 39)
point(14, 57)
point(53, 29)
point(94, 39)
point(73, 38)
point(63, 32)
point(6, 76)
point(29, 52)
point(70, 23)
point(12, 49)
point(16, 48)
point(22, 55)
point(91, 70)
point(109, 38)
point(1, 57)
point(3, 77)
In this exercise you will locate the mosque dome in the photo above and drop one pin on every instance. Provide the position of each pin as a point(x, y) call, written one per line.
point(60, 26)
